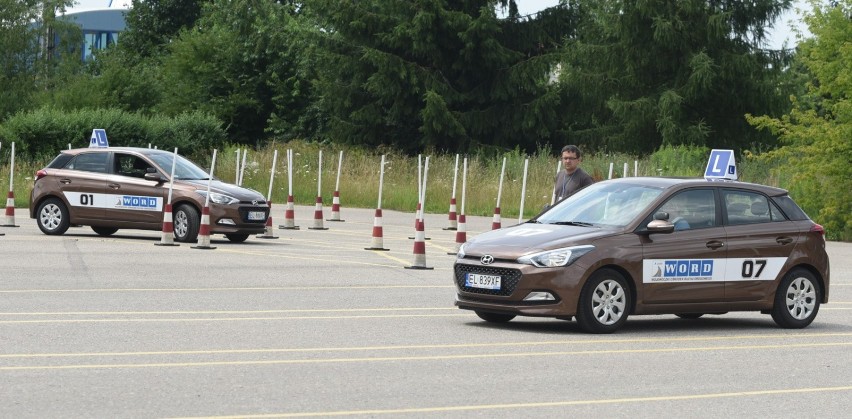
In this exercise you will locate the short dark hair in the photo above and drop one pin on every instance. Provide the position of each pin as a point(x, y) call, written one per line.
point(572, 149)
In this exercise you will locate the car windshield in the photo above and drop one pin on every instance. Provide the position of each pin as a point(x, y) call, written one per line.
point(184, 168)
point(603, 204)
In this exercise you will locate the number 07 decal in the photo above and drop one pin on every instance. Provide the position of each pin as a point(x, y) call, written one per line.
point(749, 266)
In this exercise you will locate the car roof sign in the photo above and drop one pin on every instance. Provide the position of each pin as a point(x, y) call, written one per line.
point(99, 139)
point(721, 165)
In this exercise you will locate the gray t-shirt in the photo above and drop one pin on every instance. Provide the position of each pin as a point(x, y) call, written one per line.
point(567, 185)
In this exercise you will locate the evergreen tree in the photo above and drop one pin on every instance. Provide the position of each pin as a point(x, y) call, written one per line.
point(436, 73)
point(648, 73)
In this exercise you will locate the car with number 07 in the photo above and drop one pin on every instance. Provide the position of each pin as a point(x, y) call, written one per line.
point(116, 188)
point(649, 246)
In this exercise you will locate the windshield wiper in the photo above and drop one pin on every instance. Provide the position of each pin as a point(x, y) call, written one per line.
point(573, 223)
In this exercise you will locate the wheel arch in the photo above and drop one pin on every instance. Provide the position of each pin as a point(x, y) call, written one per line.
point(631, 283)
point(815, 272)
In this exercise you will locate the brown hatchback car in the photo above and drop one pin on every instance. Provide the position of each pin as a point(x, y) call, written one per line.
point(115, 188)
point(651, 246)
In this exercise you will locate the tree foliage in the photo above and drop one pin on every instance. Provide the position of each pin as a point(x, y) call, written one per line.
point(816, 135)
point(435, 73)
point(656, 72)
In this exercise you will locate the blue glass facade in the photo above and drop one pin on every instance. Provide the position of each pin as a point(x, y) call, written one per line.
point(100, 27)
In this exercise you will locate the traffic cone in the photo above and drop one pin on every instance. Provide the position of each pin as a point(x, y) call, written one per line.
point(452, 216)
point(417, 222)
point(204, 230)
point(10, 210)
point(419, 248)
point(495, 222)
point(168, 237)
point(318, 216)
point(378, 242)
point(289, 216)
point(269, 233)
point(335, 207)
point(461, 234)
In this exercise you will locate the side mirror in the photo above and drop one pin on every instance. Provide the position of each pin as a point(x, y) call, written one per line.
point(155, 177)
point(660, 226)
point(661, 215)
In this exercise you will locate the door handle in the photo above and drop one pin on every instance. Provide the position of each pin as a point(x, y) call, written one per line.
point(784, 240)
point(114, 186)
point(65, 181)
point(715, 244)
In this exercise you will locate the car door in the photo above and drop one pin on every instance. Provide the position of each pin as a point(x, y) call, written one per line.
point(82, 183)
point(760, 239)
point(684, 266)
point(134, 201)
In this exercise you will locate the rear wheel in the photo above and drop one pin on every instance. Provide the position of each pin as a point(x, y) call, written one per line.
point(797, 300)
point(186, 223)
point(494, 317)
point(53, 218)
point(104, 231)
point(604, 302)
point(237, 238)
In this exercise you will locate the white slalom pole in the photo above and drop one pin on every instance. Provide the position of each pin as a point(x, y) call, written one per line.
point(523, 190)
point(377, 242)
point(464, 185)
point(455, 175)
point(419, 188)
point(272, 175)
point(420, 234)
point(461, 231)
point(451, 216)
point(610, 170)
point(12, 168)
point(635, 168)
point(10, 197)
point(553, 196)
point(168, 235)
point(339, 165)
point(423, 193)
point(237, 163)
point(204, 228)
point(269, 233)
point(625, 170)
point(243, 166)
point(335, 200)
point(318, 225)
point(319, 175)
point(496, 221)
point(289, 209)
point(381, 181)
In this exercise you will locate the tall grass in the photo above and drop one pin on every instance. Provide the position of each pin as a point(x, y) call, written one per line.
point(359, 180)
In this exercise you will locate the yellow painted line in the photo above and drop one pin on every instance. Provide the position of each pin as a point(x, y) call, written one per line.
point(566, 403)
point(227, 319)
point(422, 357)
point(316, 350)
point(301, 288)
point(393, 258)
point(328, 310)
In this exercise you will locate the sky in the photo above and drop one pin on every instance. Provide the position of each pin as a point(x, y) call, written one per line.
point(777, 35)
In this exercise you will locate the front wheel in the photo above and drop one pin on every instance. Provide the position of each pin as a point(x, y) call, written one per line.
point(236, 238)
point(186, 223)
point(53, 218)
point(604, 302)
point(494, 317)
point(796, 300)
point(104, 231)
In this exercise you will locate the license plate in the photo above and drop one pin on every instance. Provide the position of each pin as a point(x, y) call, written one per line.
point(256, 215)
point(489, 282)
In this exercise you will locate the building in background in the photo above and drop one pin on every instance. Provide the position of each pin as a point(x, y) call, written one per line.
point(100, 27)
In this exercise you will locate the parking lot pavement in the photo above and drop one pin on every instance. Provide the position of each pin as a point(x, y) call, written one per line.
point(311, 324)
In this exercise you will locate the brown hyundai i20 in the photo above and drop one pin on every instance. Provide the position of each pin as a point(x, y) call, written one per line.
point(651, 246)
point(122, 187)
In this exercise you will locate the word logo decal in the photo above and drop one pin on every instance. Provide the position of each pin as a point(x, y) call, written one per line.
point(137, 202)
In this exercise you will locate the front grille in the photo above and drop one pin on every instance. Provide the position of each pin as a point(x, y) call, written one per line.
point(244, 212)
point(509, 278)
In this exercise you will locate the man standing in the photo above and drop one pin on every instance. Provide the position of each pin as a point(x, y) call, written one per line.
point(573, 178)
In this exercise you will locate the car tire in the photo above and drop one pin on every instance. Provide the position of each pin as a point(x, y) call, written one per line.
point(237, 238)
point(604, 302)
point(797, 300)
point(689, 316)
point(104, 231)
point(186, 224)
point(52, 217)
point(494, 317)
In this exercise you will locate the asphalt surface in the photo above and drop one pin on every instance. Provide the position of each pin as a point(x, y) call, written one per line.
point(311, 324)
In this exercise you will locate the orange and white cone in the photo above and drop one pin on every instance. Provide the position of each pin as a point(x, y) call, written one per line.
point(419, 248)
point(10, 210)
point(318, 216)
point(461, 234)
point(335, 207)
point(269, 232)
point(204, 230)
point(417, 222)
point(452, 216)
point(495, 222)
point(289, 215)
point(378, 240)
point(168, 237)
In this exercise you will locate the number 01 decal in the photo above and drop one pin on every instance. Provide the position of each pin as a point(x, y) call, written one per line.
point(749, 266)
point(87, 199)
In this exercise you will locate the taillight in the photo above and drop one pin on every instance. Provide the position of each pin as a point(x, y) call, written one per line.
point(818, 229)
point(40, 174)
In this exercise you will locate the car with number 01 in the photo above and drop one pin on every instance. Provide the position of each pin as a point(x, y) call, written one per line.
point(116, 188)
point(649, 245)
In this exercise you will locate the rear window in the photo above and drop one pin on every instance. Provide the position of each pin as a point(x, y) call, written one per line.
point(790, 208)
point(60, 161)
point(89, 162)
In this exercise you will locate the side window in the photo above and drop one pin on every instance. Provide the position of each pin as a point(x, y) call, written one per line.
point(749, 208)
point(130, 165)
point(691, 209)
point(89, 162)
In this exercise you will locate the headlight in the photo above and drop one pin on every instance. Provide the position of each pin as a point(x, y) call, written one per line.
point(557, 257)
point(219, 198)
point(461, 253)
